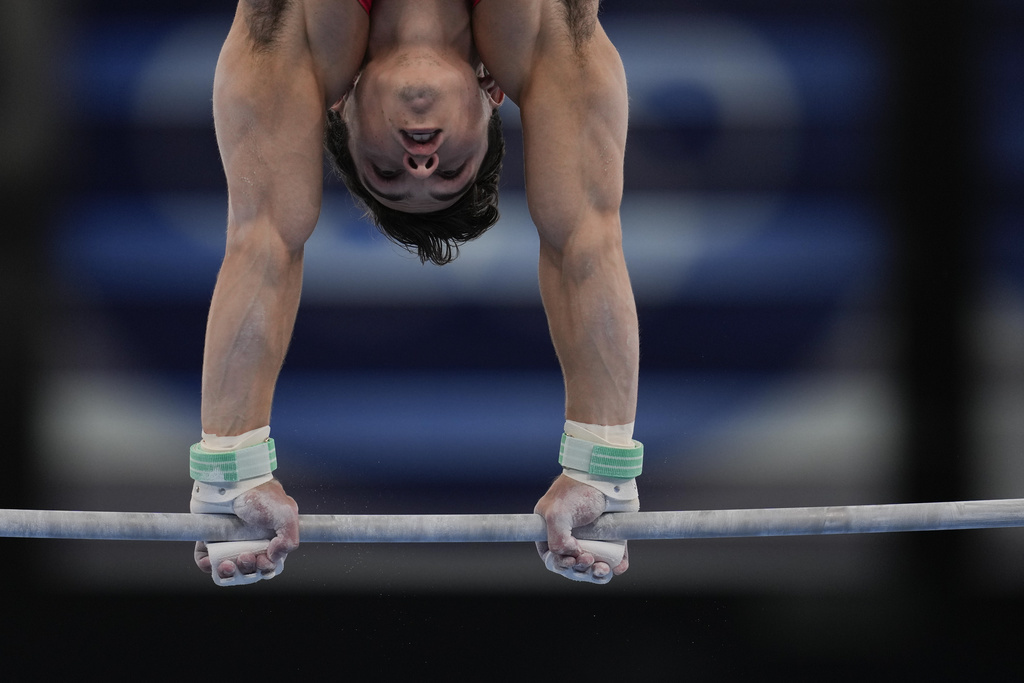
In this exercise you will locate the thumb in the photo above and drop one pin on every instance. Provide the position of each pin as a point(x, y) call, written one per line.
point(560, 538)
point(286, 540)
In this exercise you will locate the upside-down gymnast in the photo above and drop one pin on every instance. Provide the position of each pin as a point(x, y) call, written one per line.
point(403, 96)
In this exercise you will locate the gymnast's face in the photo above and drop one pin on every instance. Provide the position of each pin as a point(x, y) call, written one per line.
point(417, 123)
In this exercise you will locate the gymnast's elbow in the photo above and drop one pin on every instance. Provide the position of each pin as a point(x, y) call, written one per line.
point(581, 247)
point(266, 229)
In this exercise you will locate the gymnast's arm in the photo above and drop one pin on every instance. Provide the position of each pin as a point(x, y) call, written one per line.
point(269, 110)
point(574, 112)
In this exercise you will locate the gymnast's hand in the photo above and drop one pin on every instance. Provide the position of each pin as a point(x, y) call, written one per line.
point(269, 507)
point(569, 504)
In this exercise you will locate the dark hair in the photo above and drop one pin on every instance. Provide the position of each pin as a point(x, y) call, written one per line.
point(434, 236)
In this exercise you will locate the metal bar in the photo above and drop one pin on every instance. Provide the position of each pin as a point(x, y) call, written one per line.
point(857, 519)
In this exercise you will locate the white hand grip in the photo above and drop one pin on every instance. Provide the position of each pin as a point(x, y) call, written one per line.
point(605, 551)
point(230, 550)
point(611, 552)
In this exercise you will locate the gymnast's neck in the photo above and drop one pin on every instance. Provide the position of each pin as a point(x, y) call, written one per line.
point(439, 25)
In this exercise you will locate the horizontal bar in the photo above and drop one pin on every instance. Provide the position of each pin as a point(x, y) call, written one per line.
point(856, 519)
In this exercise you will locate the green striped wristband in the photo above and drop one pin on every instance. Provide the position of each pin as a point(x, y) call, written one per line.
point(245, 463)
point(604, 461)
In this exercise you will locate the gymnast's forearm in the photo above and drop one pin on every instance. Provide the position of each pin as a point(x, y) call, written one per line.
point(592, 318)
point(252, 316)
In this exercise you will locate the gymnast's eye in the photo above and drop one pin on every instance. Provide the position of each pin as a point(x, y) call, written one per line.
point(453, 173)
point(383, 174)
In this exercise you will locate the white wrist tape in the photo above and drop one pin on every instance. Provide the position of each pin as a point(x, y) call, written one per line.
point(245, 463)
point(606, 435)
point(225, 467)
point(597, 455)
point(606, 461)
point(221, 444)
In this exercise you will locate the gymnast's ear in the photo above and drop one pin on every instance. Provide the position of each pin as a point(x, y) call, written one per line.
point(494, 93)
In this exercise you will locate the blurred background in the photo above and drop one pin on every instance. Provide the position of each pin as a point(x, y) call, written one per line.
point(825, 231)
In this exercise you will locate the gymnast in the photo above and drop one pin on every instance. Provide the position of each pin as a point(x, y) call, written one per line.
point(403, 96)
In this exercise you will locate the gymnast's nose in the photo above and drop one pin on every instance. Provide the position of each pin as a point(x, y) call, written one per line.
point(421, 166)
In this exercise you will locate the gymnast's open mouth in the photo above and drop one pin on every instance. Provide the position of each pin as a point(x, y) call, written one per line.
point(421, 135)
point(421, 141)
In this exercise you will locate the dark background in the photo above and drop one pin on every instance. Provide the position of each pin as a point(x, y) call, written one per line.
point(823, 223)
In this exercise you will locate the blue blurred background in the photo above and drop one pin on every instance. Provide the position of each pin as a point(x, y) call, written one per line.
point(823, 226)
